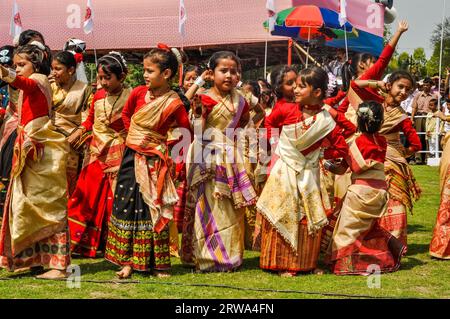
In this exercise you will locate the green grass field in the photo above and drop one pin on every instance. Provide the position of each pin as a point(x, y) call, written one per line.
point(419, 276)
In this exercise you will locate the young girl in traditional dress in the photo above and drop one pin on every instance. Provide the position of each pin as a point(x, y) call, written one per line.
point(292, 201)
point(402, 186)
point(219, 188)
point(8, 129)
point(90, 205)
point(358, 240)
point(34, 229)
point(138, 238)
point(71, 98)
point(440, 243)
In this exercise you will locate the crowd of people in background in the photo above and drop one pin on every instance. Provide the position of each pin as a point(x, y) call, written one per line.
point(308, 162)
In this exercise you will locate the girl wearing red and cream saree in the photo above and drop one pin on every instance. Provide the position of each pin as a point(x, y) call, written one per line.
point(294, 203)
point(34, 229)
point(219, 188)
point(91, 203)
point(145, 196)
point(402, 186)
point(440, 243)
point(358, 241)
point(71, 99)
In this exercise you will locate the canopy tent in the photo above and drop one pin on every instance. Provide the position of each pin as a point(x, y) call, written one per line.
point(140, 24)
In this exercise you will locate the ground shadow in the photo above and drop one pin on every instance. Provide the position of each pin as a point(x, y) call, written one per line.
point(417, 228)
point(415, 249)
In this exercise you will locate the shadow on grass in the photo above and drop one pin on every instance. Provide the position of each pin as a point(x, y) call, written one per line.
point(417, 228)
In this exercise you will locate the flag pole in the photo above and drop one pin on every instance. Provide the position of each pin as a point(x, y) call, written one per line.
point(438, 124)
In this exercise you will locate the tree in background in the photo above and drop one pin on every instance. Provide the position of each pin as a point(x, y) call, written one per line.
point(135, 74)
point(433, 64)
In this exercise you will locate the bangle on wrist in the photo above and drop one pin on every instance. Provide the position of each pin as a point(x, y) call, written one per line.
point(82, 128)
point(199, 82)
point(373, 84)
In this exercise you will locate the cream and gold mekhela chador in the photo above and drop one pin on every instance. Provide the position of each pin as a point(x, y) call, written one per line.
point(34, 229)
point(69, 111)
point(358, 242)
point(292, 194)
point(213, 229)
point(402, 186)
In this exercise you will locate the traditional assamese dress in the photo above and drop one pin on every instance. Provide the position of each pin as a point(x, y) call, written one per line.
point(34, 229)
point(68, 108)
point(8, 135)
point(294, 203)
point(402, 186)
point(213, 229)
point(440, 242)
point(90, 205)
point(358, 241)
point(138, 231)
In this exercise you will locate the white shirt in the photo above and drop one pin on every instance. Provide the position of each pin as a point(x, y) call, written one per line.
point(447, 113)
point(407, 104)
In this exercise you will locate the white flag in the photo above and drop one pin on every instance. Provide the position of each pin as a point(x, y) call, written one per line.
point(16, 23)
point(182, 19)
point(343, 12)
point(88, 25)
point(270, 6)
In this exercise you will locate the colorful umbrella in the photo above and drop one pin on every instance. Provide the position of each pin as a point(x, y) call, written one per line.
point(308, 22)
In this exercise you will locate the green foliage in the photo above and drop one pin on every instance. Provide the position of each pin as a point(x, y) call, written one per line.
point(419, 276)
point(134, 78)
point(433, 64)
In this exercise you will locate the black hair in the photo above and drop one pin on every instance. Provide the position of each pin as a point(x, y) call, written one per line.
point(36, 56)
point(183, 98)
point(255, 86)
point(277, 78)
point(113, 63)
point(435, 101)
point(165, 59)
point(428, 80)
point(189, 68)
point(400, 74)
point(214, 60)
point(66, 58)
point(265, 83)
point(370, 117)
point(7, 54)
point(316, 77)
point(28, 36)
point(350, 68)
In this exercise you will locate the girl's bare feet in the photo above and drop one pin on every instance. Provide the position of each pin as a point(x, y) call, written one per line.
point(124, 273)
point(287, 274)
point(161, 274)
point(53, 274)
point(318, 271)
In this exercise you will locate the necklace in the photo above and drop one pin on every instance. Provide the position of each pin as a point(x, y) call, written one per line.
point(108, 117)
point(301, 120)
point(223, 100)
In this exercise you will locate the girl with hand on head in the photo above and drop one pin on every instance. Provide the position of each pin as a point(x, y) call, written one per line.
point(219, 188)
point(71, 98)
point(34, 230)
point(91, 203)
point(402, 186)
point(138, 237)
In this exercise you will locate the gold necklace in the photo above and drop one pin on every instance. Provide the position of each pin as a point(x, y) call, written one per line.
point(108, 118)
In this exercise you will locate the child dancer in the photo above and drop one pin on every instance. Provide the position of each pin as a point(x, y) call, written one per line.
point(90, 205)
point(34, 230)
point(138, 237)
point(219, 188)
point(402, 186)
point(294, 217)
point(358, 241)
point(71, 98)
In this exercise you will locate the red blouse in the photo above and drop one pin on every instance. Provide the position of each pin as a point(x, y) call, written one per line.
point(372, 146)
point(117, 125)
point(406, 126)
point(35, 104)
point(334, 143)
point(333, 101)
point(136, 101)
point(374, 73)
point(209, 103)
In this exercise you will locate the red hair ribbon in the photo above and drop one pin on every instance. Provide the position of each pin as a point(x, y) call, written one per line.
point(78, 57)
point(163, 46)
